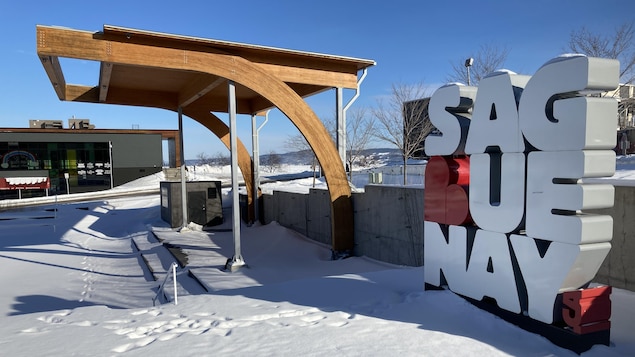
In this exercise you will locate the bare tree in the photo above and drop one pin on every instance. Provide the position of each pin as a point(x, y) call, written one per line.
point(299, 144)
point(222, 159)
point(359, 133)
point(204, 159)
point(402, 120)
point(618, 45)
point(272, 161)
point(487, 59)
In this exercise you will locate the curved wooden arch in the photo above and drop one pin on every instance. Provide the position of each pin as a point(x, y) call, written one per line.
point(313, 130)
point(310, 126)
point(85, 45)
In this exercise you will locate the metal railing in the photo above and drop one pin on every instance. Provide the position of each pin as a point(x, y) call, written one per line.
point(171, 271)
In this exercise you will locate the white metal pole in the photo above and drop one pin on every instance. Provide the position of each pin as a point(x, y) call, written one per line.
point(256, 163)
point(237, 260)
point(255, 133)
point(112, 169)
point(55, 215)
point(183, 181)
point(341, 125)
point(176, 298)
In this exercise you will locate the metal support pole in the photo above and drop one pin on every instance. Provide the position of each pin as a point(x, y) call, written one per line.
point(68, 187)
point(255, 145)
point(468, 63)
point(176, 294)
point(183, 181)
point(55, 214)
point(341, 125)
point(112, 169)
point(256, 165)
point(236, 262)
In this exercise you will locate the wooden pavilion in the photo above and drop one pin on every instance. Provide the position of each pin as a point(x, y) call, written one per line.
point(191, 75)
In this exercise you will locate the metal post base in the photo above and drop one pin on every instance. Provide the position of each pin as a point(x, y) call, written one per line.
point(235, 263)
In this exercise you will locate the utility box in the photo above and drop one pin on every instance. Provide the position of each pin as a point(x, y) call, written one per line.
point(204, 203)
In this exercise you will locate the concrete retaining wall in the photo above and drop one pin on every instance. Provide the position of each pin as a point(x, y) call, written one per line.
point(388, 220)
point(389, 226)
point(618, 268)
point(307, 214)
point(318, 220)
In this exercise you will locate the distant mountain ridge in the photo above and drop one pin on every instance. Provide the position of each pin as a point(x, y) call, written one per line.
point(387, 156)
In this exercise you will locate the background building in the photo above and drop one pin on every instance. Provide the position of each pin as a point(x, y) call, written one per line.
point(416, 127)
point(625, 94)
point(80, 158)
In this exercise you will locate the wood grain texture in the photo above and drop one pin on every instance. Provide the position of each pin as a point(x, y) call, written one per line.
point(187, 76)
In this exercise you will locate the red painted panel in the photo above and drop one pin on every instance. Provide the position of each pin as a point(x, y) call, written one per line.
point(457, 205)
point(436, 180)
point(459, 170)
point(437, 172)
point(446, 190)
point(587, 310)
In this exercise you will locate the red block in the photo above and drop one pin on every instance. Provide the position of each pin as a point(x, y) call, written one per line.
point(436, 181)
point(459, 170)
point(446, 190)
point(457, 207)
point(587, 310)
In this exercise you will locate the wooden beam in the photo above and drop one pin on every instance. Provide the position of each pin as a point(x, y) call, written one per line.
point(151, 99)
point(81, 44)
point(56, 76)
point(105, 71)
point(319, 77)
point(77, 93)
point(198, 88)
point(254, 53)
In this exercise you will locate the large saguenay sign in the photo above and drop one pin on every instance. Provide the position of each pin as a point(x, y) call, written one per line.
point(504, 201)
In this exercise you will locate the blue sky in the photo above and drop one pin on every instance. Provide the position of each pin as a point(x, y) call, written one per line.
point(412, 41)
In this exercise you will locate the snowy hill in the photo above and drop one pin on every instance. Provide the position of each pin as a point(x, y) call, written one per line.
point(378, 156)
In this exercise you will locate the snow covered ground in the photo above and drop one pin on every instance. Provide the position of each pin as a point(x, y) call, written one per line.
point(74, 284)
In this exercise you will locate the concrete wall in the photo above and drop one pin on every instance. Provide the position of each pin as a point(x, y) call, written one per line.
point(289, 209)
point(388, 220)
point(389, 226)
point(307, 214)
point(618, 268)
point(318, 211)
